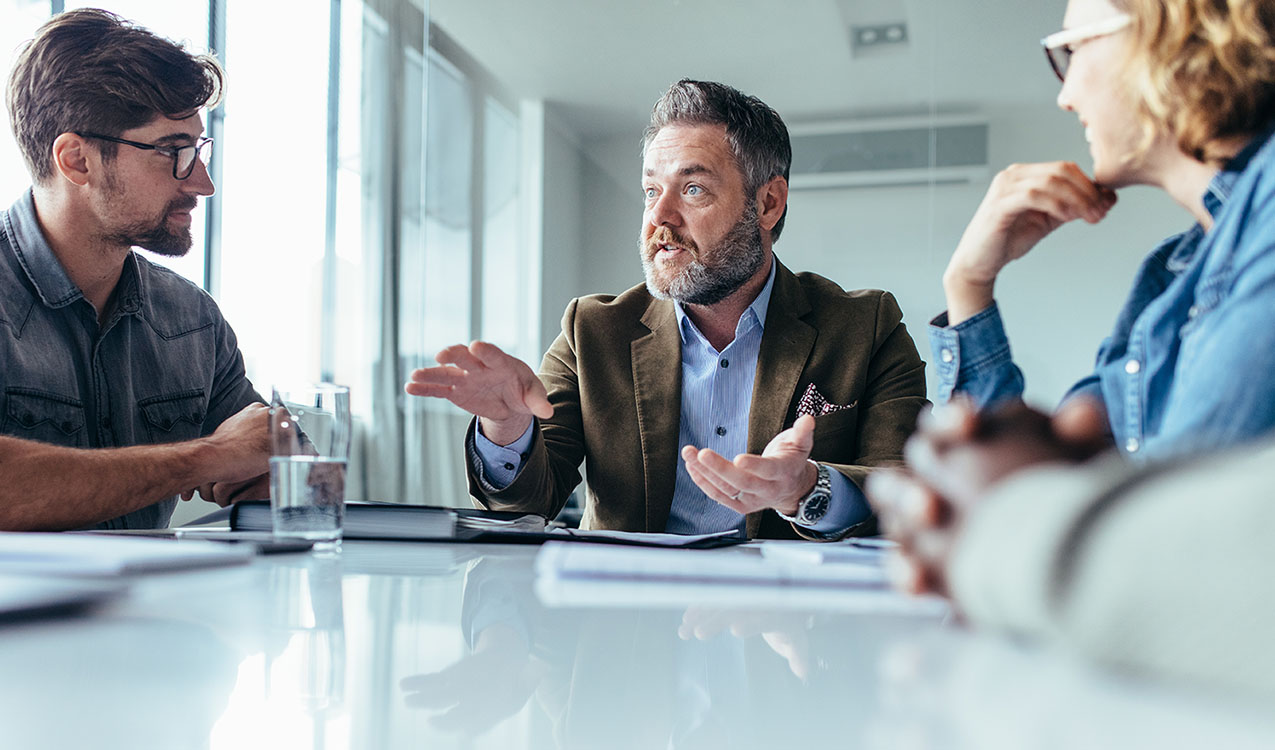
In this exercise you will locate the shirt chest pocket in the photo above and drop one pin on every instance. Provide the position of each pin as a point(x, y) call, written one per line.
point(173, 418)
point(47, 417)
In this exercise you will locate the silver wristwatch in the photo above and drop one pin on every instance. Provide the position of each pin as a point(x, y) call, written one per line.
point(814, 507)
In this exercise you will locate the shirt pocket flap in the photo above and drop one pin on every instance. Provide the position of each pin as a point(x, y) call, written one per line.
point(31, 408)
point(167, 412)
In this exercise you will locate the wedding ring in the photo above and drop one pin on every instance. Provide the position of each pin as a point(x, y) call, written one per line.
point(735, 497)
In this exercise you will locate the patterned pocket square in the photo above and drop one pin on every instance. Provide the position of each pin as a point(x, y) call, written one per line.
point(813, 403)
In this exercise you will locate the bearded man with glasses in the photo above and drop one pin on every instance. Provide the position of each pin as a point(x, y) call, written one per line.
point(121, 385)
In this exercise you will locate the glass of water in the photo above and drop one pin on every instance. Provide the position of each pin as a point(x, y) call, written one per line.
point(309, 451)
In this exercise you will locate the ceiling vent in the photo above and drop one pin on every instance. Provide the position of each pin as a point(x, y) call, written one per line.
point(944, 149)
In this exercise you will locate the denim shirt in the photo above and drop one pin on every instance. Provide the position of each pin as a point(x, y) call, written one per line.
point(1189, 363)
point(164, 367)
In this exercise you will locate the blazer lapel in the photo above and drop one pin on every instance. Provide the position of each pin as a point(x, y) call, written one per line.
point(785, 347)
point(658, 389)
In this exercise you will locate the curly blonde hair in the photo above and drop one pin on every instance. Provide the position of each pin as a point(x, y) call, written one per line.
point(1205, 69)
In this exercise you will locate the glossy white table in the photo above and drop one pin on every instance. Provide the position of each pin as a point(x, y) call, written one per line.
point(369, 650)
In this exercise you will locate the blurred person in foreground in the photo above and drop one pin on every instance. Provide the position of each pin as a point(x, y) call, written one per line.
point(1153, 565)
point(1005, 513)
point(121, 384)
point(1178, 95)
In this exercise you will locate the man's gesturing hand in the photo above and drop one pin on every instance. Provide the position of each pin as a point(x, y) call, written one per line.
point(778, 478)
point(500, 390)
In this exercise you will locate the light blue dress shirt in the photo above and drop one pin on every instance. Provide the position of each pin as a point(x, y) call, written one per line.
point(1187, 365)
point(717, 392)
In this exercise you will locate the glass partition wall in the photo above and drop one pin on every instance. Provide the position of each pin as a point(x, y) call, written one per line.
point(393, 178)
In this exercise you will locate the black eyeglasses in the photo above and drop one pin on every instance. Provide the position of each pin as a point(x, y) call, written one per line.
point(183, 156)
point(1061, 44)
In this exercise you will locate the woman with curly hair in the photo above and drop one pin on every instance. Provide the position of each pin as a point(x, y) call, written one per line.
point(1178, 95)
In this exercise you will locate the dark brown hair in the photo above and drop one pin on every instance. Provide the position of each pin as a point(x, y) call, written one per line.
point(89, 69)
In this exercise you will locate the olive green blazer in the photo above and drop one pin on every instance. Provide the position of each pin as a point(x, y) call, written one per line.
point(614, 378)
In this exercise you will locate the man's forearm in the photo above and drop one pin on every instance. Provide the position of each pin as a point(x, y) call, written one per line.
point(49, 487)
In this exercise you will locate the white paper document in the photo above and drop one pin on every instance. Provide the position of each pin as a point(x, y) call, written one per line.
point(597, 576)
point(649, 539)
point(863, 552)
point(21, 596)
point(92, 555)
point(600, 562)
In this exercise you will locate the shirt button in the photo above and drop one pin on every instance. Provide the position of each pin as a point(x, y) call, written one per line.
point(1132, 366)
point(1132, 445)
point(725, 363)
point(1194, 311)
point(721, 431)
point(946, 355)
point(509, 466)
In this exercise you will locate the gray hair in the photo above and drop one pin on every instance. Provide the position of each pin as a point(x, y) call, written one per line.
point(756, 133)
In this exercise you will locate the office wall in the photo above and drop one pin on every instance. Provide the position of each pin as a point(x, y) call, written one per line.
point(563, 211)
point(1058, 302)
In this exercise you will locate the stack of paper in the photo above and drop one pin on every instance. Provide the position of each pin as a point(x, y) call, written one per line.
point(26, 596)
point(794, 576)
point(92, 555)
point(605, 563)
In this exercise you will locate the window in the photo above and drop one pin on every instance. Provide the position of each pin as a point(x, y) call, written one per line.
point(21, 19)
point(368, 210)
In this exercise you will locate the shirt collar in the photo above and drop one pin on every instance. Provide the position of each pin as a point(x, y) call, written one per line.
point(754, 314)
point(35, 256)
point(1220, 187)
point(45, 271)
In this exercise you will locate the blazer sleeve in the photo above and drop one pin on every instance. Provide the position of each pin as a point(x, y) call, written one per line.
point(551, 469)
point(892, 399)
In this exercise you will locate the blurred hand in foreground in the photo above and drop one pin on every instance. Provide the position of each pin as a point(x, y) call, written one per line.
point(956, 456)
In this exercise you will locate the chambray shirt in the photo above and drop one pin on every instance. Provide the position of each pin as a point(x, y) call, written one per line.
point(1189, 363)
point(717, 392)
point(163, 367)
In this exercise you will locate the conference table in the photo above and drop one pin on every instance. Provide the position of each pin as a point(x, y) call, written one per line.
point(414, 645)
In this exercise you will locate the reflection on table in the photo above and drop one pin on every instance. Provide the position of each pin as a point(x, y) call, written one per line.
point(391, 645)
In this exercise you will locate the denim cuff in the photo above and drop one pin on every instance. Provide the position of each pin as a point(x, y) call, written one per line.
point(975, 345)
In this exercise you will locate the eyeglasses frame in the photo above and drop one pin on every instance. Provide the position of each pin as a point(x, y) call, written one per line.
point(172, 151)
point(1070, 37)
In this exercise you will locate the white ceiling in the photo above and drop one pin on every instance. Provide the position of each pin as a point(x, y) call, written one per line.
point(604, 62)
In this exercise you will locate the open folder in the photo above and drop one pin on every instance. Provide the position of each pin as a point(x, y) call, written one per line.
point(392, 521)
point(365, 520)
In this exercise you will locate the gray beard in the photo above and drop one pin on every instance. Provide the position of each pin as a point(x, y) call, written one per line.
point(713, 276)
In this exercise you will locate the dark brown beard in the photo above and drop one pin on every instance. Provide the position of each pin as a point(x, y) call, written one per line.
point(157, 237)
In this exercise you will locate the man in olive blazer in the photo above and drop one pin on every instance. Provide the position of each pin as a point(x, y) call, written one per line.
point(615, 385)
point(725, 393)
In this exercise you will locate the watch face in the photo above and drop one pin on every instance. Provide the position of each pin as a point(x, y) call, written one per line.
point(814, 508)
